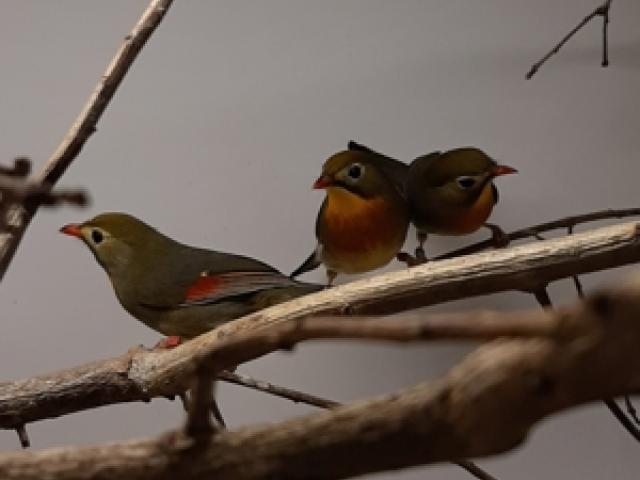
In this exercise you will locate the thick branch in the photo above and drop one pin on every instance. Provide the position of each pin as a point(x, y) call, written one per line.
point(141, 375)
point(483, 406)
point(84, 125)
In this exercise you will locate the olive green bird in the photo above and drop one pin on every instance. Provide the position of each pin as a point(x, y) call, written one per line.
point(178, 290)
point(448, 193)
point(363, 221)
point(452, 193)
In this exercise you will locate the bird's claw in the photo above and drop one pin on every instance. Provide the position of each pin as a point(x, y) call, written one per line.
point(498, 237)
point(410, 260)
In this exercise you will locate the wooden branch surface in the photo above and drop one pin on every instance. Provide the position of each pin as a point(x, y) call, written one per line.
point(485, 405)
point(84, 125)
point(141, 375)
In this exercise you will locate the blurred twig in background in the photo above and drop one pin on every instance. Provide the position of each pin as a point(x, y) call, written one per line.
point(601, 11)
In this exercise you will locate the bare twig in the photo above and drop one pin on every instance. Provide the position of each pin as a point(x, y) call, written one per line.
point(21, 168)
point(23, 191)
point(84, 125)
point(283, 392)
point(622, 418)
point(141, 375)
point(631, 410)
point(474, 470)
point(602, 11)
point(535, 230)
point(23, 436)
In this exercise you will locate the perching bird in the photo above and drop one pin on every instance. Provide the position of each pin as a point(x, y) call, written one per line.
point(178, 290)
point(363, 221)
point(452, 193)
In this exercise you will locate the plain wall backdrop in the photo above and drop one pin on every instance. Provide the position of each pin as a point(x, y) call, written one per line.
point(223, 123)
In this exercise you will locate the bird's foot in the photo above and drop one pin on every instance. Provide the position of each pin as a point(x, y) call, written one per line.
point(410, 260)
point(169, 342)
point(498, 236)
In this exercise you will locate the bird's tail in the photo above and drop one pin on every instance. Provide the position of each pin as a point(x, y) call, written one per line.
point(311, 263)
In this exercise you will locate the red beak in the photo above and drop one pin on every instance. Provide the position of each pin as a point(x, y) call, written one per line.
point(323, 182)
point(504, 170)
point(72, 229)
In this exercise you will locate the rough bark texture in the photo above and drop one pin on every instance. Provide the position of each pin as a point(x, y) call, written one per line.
point(141, 375)
point(484, 405)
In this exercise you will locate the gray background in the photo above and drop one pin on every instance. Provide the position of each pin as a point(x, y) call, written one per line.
point(224, 122)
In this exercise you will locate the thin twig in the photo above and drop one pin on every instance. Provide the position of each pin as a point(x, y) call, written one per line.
point(21, 168)
point(535, 230)
point(85, 124)
point(17, 190)
point(602, 11)
point(622, 418)
point(474, 470)
point(23, 436)
point(268, 387)
point(631, 410)
point(217, 414)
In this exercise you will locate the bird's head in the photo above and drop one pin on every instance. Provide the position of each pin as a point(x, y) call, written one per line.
point(114, 238)
point(462, 174)
point(355, 172)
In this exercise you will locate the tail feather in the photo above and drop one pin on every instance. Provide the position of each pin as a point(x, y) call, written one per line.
point(311, 263)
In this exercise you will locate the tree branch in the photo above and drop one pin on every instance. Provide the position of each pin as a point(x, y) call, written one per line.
point(140, 375)
point(485, 405)
point(602, 11)
point(535, 230)
point(83, 126)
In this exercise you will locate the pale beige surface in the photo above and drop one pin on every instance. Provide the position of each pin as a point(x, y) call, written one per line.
point(253, 96)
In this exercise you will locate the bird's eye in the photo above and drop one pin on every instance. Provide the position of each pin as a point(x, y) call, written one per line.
point(355, 171)
point(96, 236)
point(466, 182)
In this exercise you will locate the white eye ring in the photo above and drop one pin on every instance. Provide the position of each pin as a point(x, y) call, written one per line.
point(355, 171)
point(465, 182)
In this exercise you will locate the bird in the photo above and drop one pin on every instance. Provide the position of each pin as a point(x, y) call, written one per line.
point(363, 221)
point(452, 193)
point(448, 193)
point(179, 290)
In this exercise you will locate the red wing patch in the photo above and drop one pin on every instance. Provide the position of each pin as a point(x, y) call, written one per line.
point(204, 287)
point(211, 288)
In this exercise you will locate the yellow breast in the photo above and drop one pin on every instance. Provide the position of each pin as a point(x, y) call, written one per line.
point(360, 234)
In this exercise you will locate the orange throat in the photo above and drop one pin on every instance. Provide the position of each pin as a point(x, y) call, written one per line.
point(476, 215)
point(360, 234)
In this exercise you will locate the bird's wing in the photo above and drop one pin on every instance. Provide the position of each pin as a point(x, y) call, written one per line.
point(210, 288)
